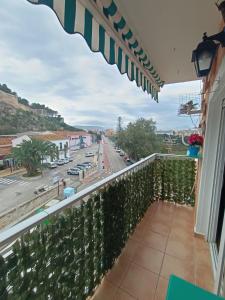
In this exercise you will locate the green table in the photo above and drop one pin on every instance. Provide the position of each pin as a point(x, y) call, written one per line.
point(179, 289)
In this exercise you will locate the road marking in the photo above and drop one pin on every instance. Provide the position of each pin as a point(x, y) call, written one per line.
point(7, 181)
point(23, 183)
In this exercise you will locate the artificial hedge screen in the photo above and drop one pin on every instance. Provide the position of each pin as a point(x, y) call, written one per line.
point(67, 258)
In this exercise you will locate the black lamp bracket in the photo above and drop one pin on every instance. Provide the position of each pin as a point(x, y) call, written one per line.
point(219, 37)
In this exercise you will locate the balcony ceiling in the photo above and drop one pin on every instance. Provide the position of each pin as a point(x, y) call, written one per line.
point(170, 30)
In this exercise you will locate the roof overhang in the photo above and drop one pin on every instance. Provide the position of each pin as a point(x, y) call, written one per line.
point(170, 30)
point(150, 41)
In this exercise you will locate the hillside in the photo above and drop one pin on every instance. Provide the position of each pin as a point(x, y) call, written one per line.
point(16, 117)
point(23, 121)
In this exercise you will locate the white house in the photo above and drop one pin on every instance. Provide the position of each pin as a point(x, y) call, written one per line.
point(19, 140)
point(60, 141)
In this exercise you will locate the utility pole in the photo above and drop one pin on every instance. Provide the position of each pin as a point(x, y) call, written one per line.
point(119, 124)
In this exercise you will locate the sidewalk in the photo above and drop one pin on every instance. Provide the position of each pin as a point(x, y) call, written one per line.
point(106, 158)
point(7, 172)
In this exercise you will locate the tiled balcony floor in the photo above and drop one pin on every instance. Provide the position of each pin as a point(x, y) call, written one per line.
point(162, 244)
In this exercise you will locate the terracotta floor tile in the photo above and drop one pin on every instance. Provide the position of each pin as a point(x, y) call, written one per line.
point(182, 234)
point(200, 243)
point(130, 249)
point(204, 277)
point(155, 240)
point(161, 289)
point(181, 268)
point(185, 224)
point(164, 228)
point(163, 218)
point(159, 227)
point(122, 295)
point(202, 257)
point(149, 258)
point(180, 249)
point(140, 283)
point(185, 213)
point(117, 273)
point(167, 207)
point(142, 224)
point(138, 234)
point(105, 291)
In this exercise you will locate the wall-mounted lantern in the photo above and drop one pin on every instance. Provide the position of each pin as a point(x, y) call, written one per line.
point(205, 52)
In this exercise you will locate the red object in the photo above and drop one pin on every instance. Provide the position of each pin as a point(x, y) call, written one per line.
point(195, 139)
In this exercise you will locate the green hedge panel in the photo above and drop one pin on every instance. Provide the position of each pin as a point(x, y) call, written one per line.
point(68, 257)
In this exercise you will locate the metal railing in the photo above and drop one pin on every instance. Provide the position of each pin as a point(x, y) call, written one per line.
point(14, 232)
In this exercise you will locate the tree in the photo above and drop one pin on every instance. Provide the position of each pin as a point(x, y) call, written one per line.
point(139, 139)
point(30, 154)
point(23, 101)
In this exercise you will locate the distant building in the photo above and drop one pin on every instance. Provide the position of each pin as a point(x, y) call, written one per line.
point(186, 132)
point(77, 139)
point(61, 142)
point(19, 140)
point(109, 132)
point(165, 132)
point(45, 112)
point(5, 148)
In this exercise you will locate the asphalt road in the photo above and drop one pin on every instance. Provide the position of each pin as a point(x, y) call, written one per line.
point(115, 161)
point(17, 189)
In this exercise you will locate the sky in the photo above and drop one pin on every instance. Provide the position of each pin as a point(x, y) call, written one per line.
point(44, 64)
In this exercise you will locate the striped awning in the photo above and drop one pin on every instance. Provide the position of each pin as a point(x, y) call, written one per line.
point(106, 31)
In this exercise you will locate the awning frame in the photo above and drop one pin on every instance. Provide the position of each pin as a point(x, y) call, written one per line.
point(86, 17)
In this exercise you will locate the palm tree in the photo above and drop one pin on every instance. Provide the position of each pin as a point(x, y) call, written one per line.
point(32, 153)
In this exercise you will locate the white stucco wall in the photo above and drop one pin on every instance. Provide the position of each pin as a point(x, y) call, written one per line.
point(61, 152)
point(17, 141)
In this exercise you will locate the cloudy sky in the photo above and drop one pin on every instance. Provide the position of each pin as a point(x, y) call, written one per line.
point(42, 63)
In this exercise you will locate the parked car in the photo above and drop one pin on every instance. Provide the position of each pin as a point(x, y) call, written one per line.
point(70, 159)
point(118, 150)
point(89, 154)
point(80, 167)
point(66, 160)
point(87, 166)
point(40, 189)
point(60, 162)
point(73, 171)
point(52, 165)
point(87, 163)
point(83, 166)
point(122, 153)
point(56, 179)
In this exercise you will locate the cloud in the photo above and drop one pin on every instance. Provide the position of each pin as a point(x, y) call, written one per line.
point(42, 63)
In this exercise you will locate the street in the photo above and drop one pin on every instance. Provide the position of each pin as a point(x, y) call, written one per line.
point(115, 161)
point(17, 189)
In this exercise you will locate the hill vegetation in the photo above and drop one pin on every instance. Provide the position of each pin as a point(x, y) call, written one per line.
point(27, 121)
point(35, 116)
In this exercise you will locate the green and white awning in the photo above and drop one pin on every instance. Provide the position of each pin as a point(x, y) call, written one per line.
point(106, 31)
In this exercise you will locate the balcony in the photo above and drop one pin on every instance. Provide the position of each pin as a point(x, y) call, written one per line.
point(162, 244)
point(114, 240)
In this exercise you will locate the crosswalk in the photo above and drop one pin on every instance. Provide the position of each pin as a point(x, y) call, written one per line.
point(8, 181)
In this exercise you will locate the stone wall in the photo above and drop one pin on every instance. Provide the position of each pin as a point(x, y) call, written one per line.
point(8, 100)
